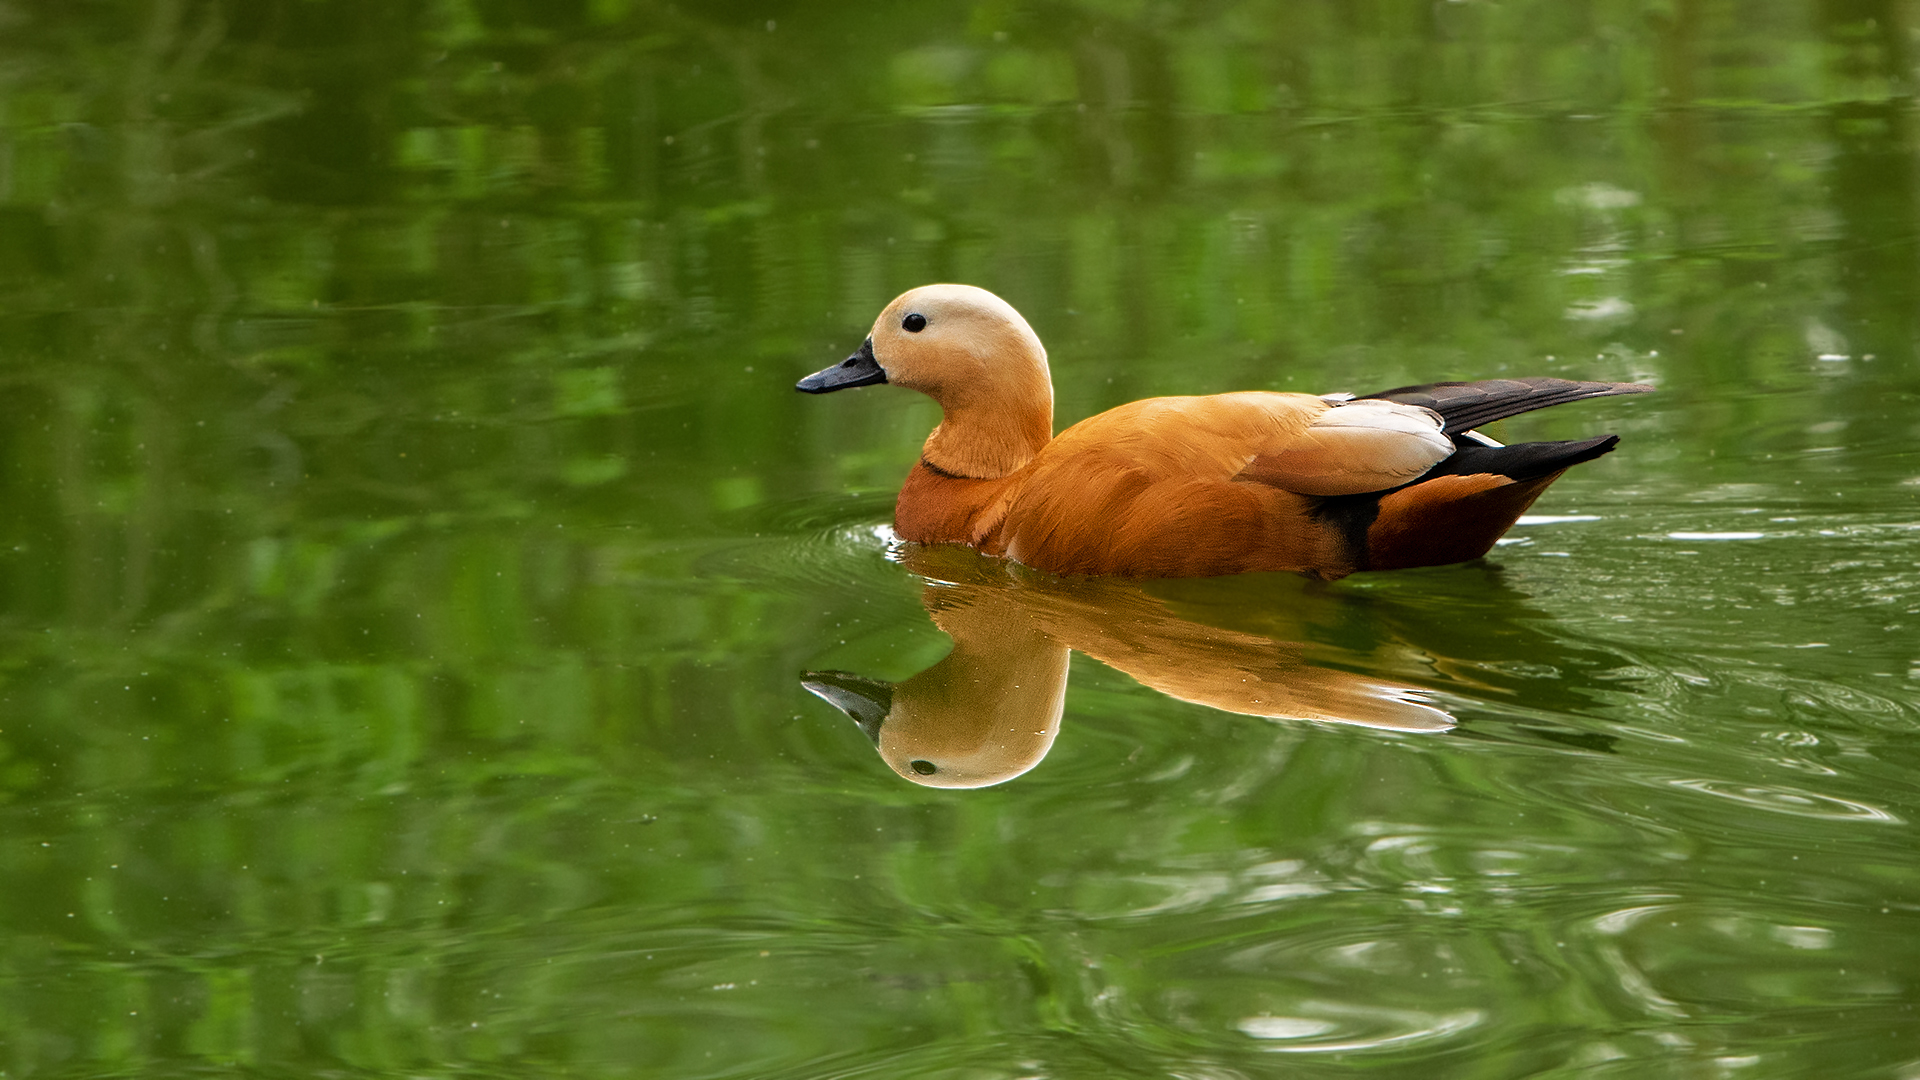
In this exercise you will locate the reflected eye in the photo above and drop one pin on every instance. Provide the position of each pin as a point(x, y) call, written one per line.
point(913, 324)
point(921, 766)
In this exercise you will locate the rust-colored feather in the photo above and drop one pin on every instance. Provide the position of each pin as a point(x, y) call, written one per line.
point(1448, 519)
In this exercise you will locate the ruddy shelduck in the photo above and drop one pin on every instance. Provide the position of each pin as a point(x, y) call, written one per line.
point(1197, 486)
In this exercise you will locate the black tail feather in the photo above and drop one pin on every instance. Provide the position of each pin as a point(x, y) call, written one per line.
point(1521, 461)
point(1466, 405)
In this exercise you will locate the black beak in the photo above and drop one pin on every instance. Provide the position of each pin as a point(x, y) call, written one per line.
point(860, 369)
point(867, 701)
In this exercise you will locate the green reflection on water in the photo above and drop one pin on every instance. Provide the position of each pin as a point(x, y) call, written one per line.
point(414, 539)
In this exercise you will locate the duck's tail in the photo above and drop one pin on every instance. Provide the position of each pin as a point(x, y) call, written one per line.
point(1520, 461)
point(1461, 506)
point(1457, 509)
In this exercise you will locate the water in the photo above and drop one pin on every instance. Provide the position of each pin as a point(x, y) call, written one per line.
point(415, 546)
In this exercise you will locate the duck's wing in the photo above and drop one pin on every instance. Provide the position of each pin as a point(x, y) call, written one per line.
point(1360, 446)
point(1467, 405)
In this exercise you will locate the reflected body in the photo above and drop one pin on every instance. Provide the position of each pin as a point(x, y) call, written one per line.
point(1197, 486)
point(990, 710)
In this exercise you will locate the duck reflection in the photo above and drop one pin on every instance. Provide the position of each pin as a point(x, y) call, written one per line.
point(991, 709)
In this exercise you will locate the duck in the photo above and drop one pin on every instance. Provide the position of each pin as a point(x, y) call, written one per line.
point(1197, 486)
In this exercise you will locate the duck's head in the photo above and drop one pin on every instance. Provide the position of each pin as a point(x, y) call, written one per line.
point(973, 353)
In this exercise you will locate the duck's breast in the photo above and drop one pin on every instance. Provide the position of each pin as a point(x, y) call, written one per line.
point(936, 508)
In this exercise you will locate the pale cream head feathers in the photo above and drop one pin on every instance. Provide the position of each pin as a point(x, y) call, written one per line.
point(973, 353)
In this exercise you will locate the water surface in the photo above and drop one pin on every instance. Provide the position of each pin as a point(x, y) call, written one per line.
point(415, 546)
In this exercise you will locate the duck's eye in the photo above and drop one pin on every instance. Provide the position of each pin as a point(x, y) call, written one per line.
point(920, 765)
point(913, 324)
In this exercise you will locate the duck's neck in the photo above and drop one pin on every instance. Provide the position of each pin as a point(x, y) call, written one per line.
point(988, 438)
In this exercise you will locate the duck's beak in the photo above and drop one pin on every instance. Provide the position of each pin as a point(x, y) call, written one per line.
point(867, 701)
point(860, 369)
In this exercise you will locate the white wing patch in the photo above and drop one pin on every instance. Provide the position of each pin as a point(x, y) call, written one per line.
point(1366, 445)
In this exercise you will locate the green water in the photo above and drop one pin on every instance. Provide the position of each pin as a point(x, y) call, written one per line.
point(414, 543)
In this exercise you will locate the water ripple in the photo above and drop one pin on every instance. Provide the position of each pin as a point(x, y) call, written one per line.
point(1786, 800)
point(1331, 1028)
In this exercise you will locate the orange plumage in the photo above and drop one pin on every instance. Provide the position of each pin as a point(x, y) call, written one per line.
point(1196, 486)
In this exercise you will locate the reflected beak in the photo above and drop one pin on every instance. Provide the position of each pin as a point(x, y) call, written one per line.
point(860, 369)
point(867, 701)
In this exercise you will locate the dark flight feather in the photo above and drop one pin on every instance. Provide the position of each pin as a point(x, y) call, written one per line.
point(1467, 405)
point(1521, 461)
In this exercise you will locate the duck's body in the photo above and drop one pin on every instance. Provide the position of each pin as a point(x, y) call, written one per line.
point(1196, 486)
